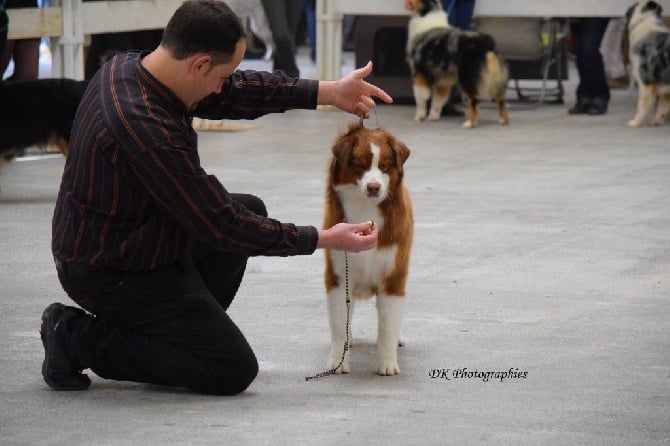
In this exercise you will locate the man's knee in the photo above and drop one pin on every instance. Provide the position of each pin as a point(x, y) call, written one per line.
point(233, 381)
point(244, 378)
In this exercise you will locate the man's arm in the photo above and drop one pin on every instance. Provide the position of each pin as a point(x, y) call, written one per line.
point(251, 94)
point(172, 180)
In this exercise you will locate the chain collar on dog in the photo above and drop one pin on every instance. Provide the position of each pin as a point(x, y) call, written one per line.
point(348, 340)
point(374, 109)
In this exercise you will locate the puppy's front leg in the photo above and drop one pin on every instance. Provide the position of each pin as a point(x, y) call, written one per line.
point(389, 311)
point(337, 317)
point(644, 103)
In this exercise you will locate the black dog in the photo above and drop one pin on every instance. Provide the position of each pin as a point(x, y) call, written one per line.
point(37, 113)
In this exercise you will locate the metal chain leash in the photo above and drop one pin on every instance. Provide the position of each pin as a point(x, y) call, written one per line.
point(348, 340)
point(374, 109)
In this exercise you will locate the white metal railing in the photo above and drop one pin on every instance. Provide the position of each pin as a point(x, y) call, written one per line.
point(329, 15)
point(72, 20)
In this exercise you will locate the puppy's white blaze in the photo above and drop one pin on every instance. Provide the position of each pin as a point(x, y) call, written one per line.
point(374, 175)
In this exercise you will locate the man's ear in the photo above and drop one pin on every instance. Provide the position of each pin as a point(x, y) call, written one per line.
point(201, 64)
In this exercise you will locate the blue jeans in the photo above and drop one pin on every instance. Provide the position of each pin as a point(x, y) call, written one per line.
point(460, 12)
point(588, 34)
point(310, 22)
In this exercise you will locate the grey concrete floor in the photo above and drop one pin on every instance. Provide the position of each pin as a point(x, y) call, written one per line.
point(542, 247)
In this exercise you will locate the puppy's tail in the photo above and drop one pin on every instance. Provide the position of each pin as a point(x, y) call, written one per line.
point(497, 74)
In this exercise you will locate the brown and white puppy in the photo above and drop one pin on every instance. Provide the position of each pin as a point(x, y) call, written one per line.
point(649, 40)
point(441, 57)
point(365, 182)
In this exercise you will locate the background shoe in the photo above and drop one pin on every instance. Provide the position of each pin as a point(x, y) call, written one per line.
point(580, 108)
point(597, 108)
point(58, 370)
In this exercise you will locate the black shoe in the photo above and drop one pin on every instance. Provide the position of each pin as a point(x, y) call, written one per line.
point(580, 108)
point(59, 371)
point(450, 110)
point(597, 109)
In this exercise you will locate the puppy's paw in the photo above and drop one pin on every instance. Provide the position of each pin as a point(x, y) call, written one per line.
point(634, 123)
point(334, 361)
point(468, 124)
point(434, 116)
point(420, 117)
point(658, 120)
point(387, 367)
point(504, 121)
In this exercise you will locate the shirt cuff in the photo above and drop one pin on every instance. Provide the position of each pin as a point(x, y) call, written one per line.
point(310, 87)
point(309, 237)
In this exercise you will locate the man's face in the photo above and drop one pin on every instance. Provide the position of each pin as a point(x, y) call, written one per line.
point(212, 77)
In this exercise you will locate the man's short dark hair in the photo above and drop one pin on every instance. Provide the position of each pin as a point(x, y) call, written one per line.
point(203, 26)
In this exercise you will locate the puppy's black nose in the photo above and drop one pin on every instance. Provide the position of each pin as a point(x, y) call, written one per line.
point(373, 189)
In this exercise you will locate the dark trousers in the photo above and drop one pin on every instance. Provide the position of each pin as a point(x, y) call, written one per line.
point(167, 326)
point(4, 21)
point(588, 34)
point(284, 18)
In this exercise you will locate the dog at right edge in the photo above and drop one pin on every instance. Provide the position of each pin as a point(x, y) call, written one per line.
point(441, 57)
point(649, 41)
point(365, 183)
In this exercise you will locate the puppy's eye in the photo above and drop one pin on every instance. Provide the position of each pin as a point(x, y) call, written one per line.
point(357, 165)
point(385, 167)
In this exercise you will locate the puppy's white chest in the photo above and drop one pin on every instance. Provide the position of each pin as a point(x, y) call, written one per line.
point(365, 270)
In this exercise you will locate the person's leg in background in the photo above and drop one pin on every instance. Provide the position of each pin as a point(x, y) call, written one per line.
point(25, 52)
point(284, 17)
point(26, 56)
point(460, 13)
point(4, 22)
point(593, 93)
point(310, 21)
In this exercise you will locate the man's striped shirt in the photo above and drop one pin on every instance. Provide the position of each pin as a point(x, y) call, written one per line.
point(133, 192)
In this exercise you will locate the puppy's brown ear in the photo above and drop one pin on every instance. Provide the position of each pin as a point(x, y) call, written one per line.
point(400, 150)
point(345, 144)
